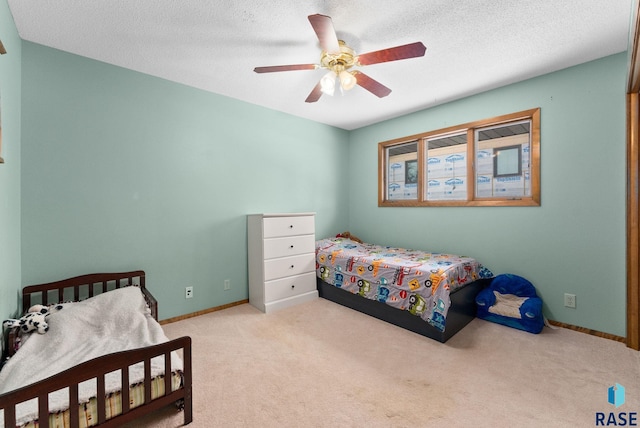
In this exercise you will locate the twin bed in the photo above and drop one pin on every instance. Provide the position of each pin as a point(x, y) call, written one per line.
point(103, 335)
point(431, 294)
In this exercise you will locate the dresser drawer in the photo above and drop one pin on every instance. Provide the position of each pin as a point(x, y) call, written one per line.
point(289, 246)
point(289, 287)
point(288, 266)
point(288, 226)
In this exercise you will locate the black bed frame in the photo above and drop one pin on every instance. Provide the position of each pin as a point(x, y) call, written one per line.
point(461, 311)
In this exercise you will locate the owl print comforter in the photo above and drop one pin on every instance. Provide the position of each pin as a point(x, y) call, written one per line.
point(416, 281)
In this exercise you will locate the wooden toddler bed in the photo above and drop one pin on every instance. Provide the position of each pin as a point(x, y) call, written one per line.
point(431, 294)
point(88, 386)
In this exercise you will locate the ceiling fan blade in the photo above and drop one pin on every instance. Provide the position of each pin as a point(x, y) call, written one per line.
point(315, 94)
point(274, 68)
point(371, 85)
point(323, 26)
point(412, 50)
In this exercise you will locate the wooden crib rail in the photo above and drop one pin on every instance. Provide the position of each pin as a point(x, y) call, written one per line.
point(97, 369)
point(84, 286)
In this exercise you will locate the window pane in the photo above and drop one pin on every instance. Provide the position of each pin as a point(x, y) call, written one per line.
point(503, 161)
point(402, 171)
point(446, 168)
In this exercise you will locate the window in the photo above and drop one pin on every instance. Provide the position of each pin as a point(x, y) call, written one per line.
point(492, 162)
point(402, 171)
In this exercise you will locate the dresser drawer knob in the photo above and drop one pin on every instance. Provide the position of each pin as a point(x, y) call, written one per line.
point(290, 226)
point(291, 246)
point(293, 286)
point(291, 266)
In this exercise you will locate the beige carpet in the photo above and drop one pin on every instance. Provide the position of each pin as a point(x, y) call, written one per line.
point(323, 365)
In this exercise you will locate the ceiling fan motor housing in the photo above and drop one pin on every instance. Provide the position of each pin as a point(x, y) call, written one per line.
point(339, 61)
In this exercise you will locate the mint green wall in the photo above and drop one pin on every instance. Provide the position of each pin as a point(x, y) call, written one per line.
point(10, 67)
point(575, 241)
point(124, 171)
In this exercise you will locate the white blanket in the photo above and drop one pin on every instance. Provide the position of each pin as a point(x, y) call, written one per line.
point(111, 322)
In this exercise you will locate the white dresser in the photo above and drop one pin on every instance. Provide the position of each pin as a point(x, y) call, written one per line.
point(282, 260)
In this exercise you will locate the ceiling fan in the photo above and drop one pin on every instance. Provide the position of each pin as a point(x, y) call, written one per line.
point(339, 59)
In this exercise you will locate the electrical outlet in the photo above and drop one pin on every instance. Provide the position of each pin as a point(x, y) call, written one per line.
point(227, 284)
point(569, 300)
point(188, 292)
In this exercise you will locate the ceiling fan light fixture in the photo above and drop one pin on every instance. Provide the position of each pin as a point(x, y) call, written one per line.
point(347, 80)
point(328, 83)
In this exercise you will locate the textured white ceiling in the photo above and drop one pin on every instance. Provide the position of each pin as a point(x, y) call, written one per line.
point(472, 45)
